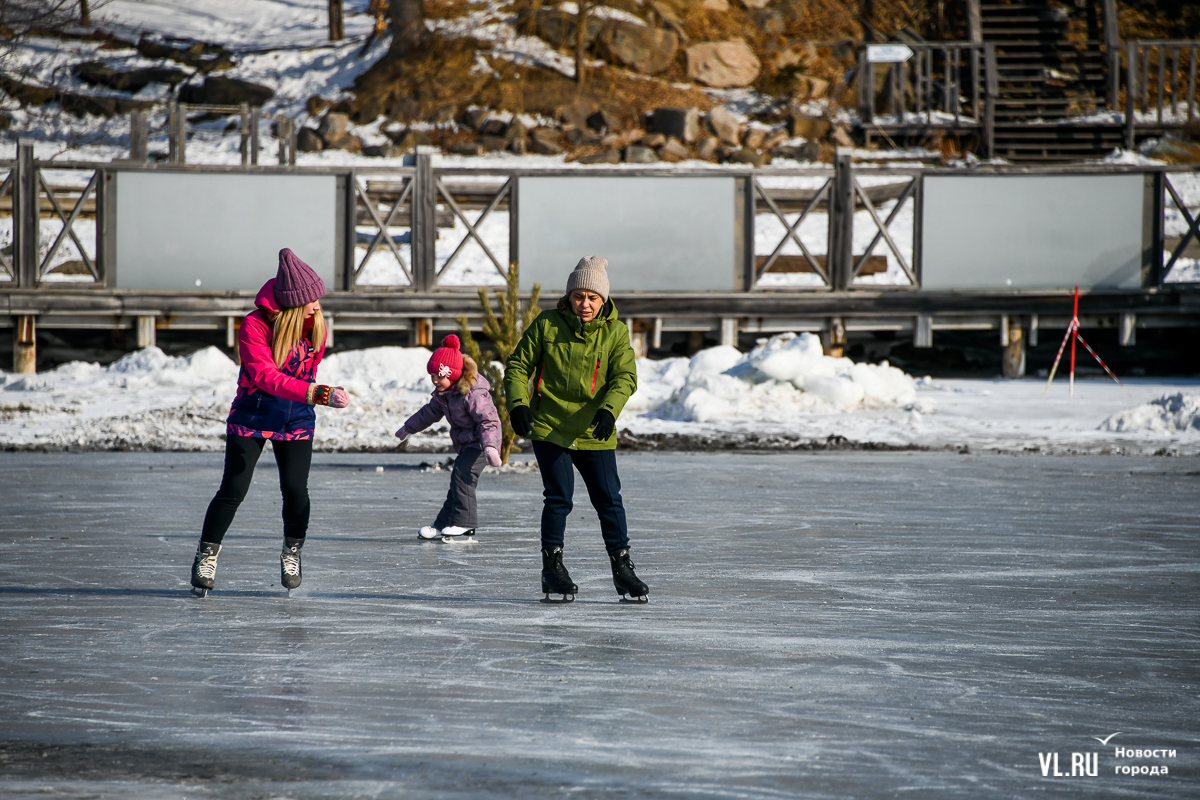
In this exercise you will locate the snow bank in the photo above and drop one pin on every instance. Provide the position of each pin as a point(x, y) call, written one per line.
point(145, 370)
point(784, 376)
point(785, 388)
point(1170, 413)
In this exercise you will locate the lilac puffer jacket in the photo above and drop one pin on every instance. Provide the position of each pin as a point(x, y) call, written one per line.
point(472, 416)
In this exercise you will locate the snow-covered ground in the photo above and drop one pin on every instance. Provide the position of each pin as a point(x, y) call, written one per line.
point(782, 394)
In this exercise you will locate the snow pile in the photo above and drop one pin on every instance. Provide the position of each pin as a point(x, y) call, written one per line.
point(784, 376)
point(784, 391)
point(1170, 413)
point(146, 370)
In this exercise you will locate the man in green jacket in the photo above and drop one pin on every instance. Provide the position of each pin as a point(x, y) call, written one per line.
point(566, 383)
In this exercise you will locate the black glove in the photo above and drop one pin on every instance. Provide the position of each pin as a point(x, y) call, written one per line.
point(522, 421)
point(605, 423)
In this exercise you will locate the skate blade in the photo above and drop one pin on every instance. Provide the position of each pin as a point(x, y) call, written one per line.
point(199, 592)
point(566, 598)
point(638, 599)
point(459, 539)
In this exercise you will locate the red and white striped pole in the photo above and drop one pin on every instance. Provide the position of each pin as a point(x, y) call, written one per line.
point(1075, 325)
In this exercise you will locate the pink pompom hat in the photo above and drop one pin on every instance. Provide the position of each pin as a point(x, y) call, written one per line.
point(447, 360)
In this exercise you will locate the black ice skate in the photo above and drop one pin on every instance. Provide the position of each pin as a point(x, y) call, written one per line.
point(289, 563)
point(204, 568)
point(628, 585)
point(555, 578)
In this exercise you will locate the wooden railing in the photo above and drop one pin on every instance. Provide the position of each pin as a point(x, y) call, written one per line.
point(1161, 76)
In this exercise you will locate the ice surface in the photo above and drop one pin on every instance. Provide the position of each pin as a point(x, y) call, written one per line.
point(820, 626)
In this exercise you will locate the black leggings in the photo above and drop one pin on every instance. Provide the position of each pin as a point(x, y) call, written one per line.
point(241, 454)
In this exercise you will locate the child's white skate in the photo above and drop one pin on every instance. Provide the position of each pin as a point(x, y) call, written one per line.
point(454, 533)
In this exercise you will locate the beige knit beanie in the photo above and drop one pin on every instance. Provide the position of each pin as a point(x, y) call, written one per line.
point(590, 273)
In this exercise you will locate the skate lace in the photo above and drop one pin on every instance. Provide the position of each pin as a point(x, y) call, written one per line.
point(291, 563)
point(206, 567)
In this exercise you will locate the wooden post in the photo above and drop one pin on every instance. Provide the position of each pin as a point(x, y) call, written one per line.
point(1014, 353)
point(1131, 84)
point(232, 326)
point(1033, 330)
point(85, 14)
point(695, 342)
point(255, 122)
point(866, 91)
point(729, 331)
point(337, 29)
point(146, 331)
point(244, 129)
point(923, 331)
point(284, 132)
point(420, 333)
point(657, 337)
point(293, 133)
point(139, 136)
point(25, 345)
point(1112, 51)
point(840, 260)
point(835, 337)
point(27, 221)
point(176, 134)
point(991, 90)
point(974, 21)
point(424, 222)
point(328, 329)
point(638, 336)
point(1128, 330)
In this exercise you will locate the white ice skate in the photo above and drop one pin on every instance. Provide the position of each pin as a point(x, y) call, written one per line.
point(429, 532)
point(454, 533)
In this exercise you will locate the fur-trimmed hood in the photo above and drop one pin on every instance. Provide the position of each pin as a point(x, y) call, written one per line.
point(470, 375)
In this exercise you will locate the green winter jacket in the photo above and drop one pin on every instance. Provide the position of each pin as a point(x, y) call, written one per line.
point(576, 368)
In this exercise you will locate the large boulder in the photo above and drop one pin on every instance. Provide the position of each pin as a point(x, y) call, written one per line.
point(725, 125)
point(638, 154)
point(682, 123)
point(723, 65)
point(333, 126)
point(673, 152)
point(804, 126)
point(639, 47)
point(221, 91)
point(558, 27)
point(98, 74)
point(309, 141)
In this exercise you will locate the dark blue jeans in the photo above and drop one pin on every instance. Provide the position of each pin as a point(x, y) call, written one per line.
point(598, 468)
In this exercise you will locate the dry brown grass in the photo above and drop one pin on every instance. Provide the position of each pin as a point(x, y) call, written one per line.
point(446, 9)
point(443, 76)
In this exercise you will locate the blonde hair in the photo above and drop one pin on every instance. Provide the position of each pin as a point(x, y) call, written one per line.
point(288, 330)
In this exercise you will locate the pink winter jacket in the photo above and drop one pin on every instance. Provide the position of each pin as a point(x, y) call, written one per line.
point(272, 402)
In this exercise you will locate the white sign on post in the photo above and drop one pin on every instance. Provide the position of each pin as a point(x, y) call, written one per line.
point(888, 53)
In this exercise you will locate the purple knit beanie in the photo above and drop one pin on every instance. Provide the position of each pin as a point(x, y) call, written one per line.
point(296, 284)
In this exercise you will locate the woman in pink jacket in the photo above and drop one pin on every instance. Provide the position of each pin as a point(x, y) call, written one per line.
point(281, 343)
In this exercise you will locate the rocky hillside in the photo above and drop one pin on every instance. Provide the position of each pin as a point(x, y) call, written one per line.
point(665, 80)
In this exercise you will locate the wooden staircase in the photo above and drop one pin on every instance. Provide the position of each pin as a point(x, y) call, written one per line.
point(1051, 67)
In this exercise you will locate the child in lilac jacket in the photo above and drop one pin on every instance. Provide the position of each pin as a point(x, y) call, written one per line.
point(461, 395)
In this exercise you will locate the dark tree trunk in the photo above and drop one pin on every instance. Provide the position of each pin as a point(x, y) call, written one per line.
point(408, 26)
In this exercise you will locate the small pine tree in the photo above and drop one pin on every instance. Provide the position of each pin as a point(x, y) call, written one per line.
point(505, 331)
